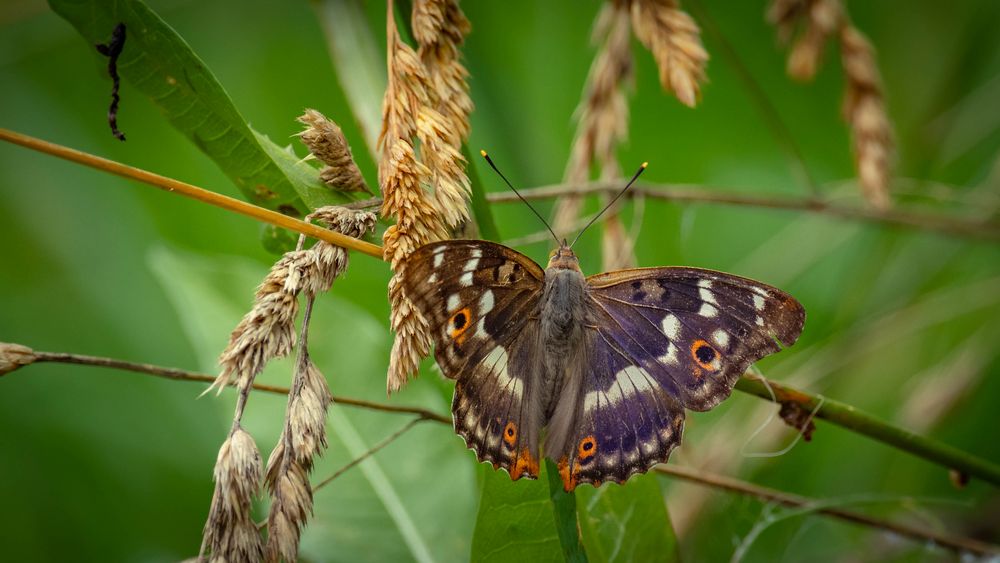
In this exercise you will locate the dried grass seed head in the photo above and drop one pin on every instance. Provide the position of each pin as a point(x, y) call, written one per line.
point(326, 142)
point(13, 356)
point(674, 39)
point(230, 533)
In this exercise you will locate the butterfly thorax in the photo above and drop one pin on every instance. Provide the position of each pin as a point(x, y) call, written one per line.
point(562, 318)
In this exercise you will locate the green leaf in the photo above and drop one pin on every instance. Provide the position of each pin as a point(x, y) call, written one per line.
point(515, 520)
point(626, 522)
point(564, 511)
point(413, 500)
point(160, 64)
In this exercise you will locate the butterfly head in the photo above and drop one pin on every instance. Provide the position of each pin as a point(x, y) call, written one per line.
point(563, 258)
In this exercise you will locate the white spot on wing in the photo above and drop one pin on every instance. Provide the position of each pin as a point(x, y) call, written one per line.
point(672, 327)
point(649, 446)
point(496, 361)
point(665, 434)
point(708, 310)
point(721, 338)
point(492, 441)
point(453, 302)
point(632, 380)
point(433, 278)
point(486, 303)
point(590, 401)
point(758, 302)
point(465, 280)
point(471, 265)
point(670, 357)
point(439, 256)
point(704, 291)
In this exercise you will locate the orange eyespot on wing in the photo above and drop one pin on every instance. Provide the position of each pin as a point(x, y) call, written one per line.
point(510, 433)
point(587, 447)
point(459, 323)
point(705, 356)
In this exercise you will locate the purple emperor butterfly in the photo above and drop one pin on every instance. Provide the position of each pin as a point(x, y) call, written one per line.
point(605, 364)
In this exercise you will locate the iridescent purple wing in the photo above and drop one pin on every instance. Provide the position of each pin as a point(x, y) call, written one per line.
point(661, 340)
point(694, 331)
point(613, 419)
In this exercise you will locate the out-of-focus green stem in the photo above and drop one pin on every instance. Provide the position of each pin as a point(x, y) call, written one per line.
point(848, 417)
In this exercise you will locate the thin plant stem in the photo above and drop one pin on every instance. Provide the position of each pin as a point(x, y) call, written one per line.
point(698, 194)
point(832, 411)
point(371, 451)
point(955, 543)
point(184, 375)
point(952, 226)
point(194, 192)
point(782, 393)
point(860, 422)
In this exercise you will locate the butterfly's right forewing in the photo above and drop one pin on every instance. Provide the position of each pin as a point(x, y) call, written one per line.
point(481, 301)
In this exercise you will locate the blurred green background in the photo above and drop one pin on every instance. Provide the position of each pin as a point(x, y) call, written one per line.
point(99, 465)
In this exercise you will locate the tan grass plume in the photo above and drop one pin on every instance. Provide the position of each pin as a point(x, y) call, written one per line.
point(602, 124)
point(442, 124)
point(14, 356)
point(326, 142)
point(809, 25)
point(265, 333)
point(674, 39)
point(431, 106)
point(230, 533)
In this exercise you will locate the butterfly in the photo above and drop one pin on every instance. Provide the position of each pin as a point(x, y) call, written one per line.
point(596, 372)
point(607, 363)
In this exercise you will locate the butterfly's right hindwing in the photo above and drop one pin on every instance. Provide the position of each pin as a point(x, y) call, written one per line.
point(481, 301)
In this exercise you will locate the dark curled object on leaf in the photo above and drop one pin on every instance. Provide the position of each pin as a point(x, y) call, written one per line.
point(797, 417)
point(112, 49)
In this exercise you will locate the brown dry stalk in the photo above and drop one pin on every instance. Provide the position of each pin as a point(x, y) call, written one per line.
point(268, 330)
point(326, 142)
point(230, 534)
point(402, 179)
point(675, 42)
point(265, 333)
point(864, 111)
point(602, 126)
point(14, 356)
point(809, 24)
point(439, 27)
point(302, 439)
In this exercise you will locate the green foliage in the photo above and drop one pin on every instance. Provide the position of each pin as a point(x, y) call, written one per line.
point(104, 466)
point(160, 64)
point(627, 523)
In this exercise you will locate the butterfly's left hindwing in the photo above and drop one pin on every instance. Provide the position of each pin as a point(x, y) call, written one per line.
point(480, 300)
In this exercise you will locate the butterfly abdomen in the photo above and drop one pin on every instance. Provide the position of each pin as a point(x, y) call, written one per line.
point(562, 320)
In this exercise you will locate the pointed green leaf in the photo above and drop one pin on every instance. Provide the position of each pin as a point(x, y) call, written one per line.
point(515, 520)
point(626, 522)
point(160, 64)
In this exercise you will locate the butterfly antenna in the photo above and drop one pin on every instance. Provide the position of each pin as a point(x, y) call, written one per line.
point(506, 181)
point(612, 202)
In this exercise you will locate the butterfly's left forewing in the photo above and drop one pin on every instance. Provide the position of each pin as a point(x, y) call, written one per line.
point(480, 300)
